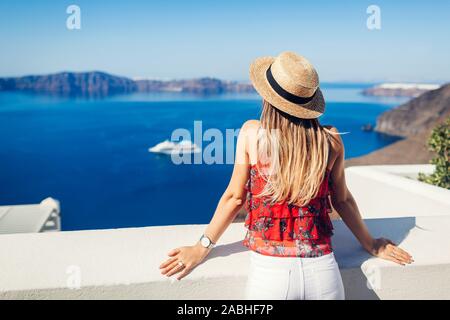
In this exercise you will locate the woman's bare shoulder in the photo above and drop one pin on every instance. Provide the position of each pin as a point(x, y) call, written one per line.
point(250, 129)
point(335, 137)
point(251, 124)
point(249, 132)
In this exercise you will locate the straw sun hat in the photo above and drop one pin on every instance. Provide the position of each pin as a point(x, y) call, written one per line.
point(290, 83)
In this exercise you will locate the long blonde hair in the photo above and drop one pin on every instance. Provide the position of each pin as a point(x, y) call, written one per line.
point(294, 155)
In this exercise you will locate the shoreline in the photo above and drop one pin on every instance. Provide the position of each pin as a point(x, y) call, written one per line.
point(410, 150)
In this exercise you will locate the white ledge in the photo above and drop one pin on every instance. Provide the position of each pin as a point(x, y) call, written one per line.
point(123, 263)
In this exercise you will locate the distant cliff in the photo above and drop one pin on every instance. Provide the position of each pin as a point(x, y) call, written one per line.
point(100, 84)
point(196, 86)
point(417, 115)
point(413, 120)
point(70, 84)
point(399, 89)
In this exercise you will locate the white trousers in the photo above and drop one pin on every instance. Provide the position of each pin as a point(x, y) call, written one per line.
point(294, 278)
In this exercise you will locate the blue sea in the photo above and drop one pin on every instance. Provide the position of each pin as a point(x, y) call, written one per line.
point(92, 155)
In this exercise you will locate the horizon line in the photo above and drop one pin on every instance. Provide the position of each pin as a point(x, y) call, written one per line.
point(140, 78)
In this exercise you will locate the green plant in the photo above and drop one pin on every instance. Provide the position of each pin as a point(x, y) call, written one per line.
point(439, 142)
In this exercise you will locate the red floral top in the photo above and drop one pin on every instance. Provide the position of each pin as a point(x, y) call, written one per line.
point(287, 230)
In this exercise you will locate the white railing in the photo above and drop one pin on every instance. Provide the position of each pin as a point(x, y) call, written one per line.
point(123, 263)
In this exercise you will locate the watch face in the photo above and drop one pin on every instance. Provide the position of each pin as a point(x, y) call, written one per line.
point(205, 242)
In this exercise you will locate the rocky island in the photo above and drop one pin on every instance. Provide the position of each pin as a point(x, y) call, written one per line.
point(399, 89)
point(85, 84)
point(101, 84)
point(195, 86)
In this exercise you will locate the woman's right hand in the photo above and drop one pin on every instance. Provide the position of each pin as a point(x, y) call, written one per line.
point(189, 256)
point(388, 250)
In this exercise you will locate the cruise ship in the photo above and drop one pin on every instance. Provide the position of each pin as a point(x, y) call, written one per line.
point(169, 147)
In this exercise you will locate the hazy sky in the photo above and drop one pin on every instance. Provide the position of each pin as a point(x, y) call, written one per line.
point(183, 39)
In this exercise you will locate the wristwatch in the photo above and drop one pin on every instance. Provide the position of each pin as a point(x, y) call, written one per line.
point(206, 242)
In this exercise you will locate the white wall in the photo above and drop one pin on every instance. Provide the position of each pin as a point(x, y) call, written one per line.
point(123, 263)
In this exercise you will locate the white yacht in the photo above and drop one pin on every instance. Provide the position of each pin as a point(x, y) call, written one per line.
point(169, 147)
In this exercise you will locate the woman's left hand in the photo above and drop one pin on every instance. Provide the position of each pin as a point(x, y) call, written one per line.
point(189, 256)
point(388, 250)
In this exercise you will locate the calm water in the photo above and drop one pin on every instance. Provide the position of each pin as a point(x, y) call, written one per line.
point(92, 154)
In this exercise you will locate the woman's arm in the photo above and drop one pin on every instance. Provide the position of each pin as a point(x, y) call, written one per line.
point(345, 205)
point(227, 208)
